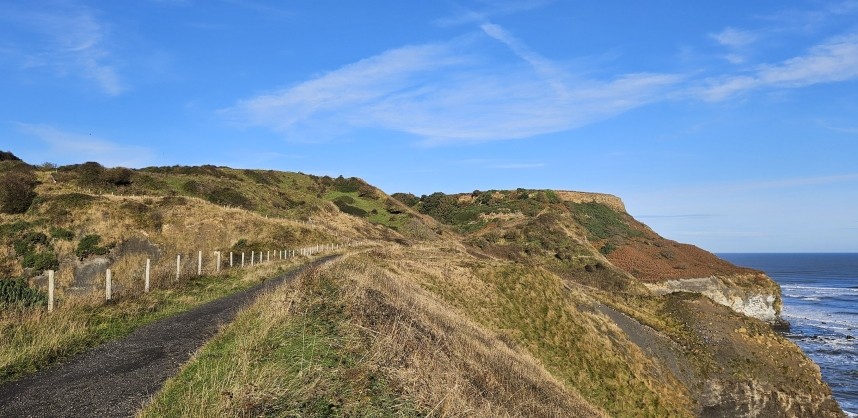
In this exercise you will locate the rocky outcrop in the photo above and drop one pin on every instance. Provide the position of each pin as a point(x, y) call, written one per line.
point(608, 200)
point(753, 295)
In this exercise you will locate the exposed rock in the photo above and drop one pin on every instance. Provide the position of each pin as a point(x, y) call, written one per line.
point(761, 302)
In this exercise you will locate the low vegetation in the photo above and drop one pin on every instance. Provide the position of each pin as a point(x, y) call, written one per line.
point(477, 304)
point(31, 338)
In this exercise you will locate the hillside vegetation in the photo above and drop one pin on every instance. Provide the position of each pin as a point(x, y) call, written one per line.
point(510, 303)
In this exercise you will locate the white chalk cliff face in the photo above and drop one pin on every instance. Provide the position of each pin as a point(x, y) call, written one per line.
point(761, 302)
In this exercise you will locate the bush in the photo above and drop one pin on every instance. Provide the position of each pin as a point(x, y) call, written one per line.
point(119, 176)
point(62, 234)
point(88, 246)
point(245, 246)
point(27, 243)
point(16, 292)
point(90, 174)
point(226, 196)
point(607, 248)
point(8, 156)
point(17, 190)
point(407, 198)
point(41, 261)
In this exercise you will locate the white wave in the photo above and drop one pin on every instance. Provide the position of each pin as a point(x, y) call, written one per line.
point(821, 289)
point(822, 319)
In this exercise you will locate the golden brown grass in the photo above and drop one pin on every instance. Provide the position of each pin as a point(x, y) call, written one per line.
point(355, 338)
point(33, 338)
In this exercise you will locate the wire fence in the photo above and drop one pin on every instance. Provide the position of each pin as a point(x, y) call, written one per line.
point(139, 274)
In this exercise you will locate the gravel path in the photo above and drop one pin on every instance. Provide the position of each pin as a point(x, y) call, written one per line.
point(116, 378)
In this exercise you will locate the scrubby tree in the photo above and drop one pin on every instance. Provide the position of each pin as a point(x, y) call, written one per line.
point(17, 184)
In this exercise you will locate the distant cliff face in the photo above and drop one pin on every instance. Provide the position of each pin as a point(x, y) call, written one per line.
point(608, 200)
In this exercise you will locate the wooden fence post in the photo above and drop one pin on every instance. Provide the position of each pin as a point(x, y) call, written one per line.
point(200, 263)
point(178, 266)
point(146, 283)
point(50, 290)
point(267, 256)
point(108, 291)
point(252, 257)
point(242, 259)
point(230, 259)
point(217, 266)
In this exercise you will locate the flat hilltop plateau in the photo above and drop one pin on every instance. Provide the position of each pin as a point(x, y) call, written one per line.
point(490, 303)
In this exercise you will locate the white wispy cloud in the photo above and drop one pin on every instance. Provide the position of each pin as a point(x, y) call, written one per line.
point(490, 9)
point(450, 92)
point(68, 40)
point(734, 38)
point(832, 61)
point(73, 147)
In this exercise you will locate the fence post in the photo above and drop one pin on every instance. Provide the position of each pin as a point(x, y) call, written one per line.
point(146, 283)
point(242, 259)
point(217, 266)
point(50, 290)
point(230, 259)
point(108, 291)
point(178, 266)
point(200, 263)
point(252, 257)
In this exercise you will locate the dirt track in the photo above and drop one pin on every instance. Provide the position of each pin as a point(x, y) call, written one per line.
point(115, 379)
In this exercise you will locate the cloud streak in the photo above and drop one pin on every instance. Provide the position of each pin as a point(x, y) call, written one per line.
point(833, 61)
point(450, 92)
point(71, 41)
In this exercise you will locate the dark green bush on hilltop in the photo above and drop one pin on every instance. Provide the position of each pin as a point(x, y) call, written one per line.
point(17, 185)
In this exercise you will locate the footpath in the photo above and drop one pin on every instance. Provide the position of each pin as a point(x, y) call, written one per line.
point(118, 377)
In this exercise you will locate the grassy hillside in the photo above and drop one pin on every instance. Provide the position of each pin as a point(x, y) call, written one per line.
point(518, 303)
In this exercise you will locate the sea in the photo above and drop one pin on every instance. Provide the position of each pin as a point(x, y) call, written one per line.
point(820, 301)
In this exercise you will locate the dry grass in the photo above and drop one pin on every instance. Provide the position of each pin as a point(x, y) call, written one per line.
point(352, 339)
point(558, 325)
point(31, 339)
point(445, 335)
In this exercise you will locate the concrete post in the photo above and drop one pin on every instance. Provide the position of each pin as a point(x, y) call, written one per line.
point(252, 257)
point(108, 291)
point(230, 259)
point(146, 282)
point(200, 263)
point(217, 266)
point(50, 290)
point(242, 259)
point(178, 266)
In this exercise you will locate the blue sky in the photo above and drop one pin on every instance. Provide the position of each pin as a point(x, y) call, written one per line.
point(731, 125)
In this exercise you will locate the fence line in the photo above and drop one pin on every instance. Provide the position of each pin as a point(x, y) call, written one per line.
point(109, 283)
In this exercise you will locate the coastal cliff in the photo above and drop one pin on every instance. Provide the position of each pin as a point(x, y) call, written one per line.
point(604, 316)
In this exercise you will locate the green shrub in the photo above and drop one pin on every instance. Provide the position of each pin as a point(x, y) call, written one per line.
point(88, 246)
point(226, 196)
point(245, 246)
point(119, 176)
point(27, 243)
point(192, 187)
point(17, 189)
point(601, 221)
point(62, 234)
point(607, 248)
point(407, 198)
point(15, 292)
point(90, 174)
point(8, 156)
point(41, 261)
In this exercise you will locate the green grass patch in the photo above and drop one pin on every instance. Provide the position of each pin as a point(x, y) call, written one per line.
point(283, 356)
point(31, 339)
point(373, 210)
